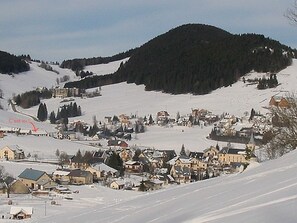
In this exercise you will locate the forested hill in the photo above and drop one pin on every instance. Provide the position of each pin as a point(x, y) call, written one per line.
point(12, 64)
point(197, 59)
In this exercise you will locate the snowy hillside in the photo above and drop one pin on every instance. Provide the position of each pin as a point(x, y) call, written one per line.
point(266, 192)
point(103, 69)
point(130, 99)
point(30, 80)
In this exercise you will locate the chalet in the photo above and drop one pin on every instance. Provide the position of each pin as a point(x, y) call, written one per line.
point(46, 184)
point(12, 152)
point(80, 177)
point(230, 155)
point(153, 184)
point(117, 143)
point(124, 119)
point(133, 166)
point(211, 152)
point(25, 132)
point(80, 163)
point(17, 187)
point(34, 179)
point(40, 133)
point(61, 176)
point(181, 174)
point(279, 101)
point(198, 113)
point(101, 171)
point(76, 163)
point(197, 164)
point(125, 154)
point(20, 213)
point(181, 169)
point(162, 117)
point(117, 184)
point(71, 135)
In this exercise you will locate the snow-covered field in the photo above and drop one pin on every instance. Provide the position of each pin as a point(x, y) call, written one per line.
point(265, 193)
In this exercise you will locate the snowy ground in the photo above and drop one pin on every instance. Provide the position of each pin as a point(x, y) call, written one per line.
point(265, 193)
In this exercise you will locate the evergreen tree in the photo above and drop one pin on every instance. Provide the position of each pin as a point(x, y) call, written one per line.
point(41, 113)
point(57, 153)
point(115, 161)
point(217, 147)
point(248, 153)
point(58, 115)
point(136, 155)
point(45, 112)
point(142, 187)
point(151, 120)
point(115, 119)
point(79, 111)
point(78, 156)
point(252, 114)
point(177, 116)
point(87, 156)
point(183, 151)
point(52, 117)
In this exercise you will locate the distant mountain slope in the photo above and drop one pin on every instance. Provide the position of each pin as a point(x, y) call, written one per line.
point(12, 64)
point(197, 58)
point(80, 63)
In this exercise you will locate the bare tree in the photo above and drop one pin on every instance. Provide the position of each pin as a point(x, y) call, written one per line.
point(291, 13)
point(284, 133)
point(63, 159)
point(4, 178)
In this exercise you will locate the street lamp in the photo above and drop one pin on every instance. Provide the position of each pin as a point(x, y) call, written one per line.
point(44, 208)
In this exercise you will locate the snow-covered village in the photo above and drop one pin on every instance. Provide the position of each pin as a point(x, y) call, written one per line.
point(196, 125)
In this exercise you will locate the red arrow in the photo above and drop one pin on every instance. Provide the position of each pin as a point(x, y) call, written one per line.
point(34, 129)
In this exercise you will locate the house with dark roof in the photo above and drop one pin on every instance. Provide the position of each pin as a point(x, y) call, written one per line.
point(133, 166)
point(34, 178)
point(102, 171)
point(228, 155)
point(80, 177)
point(117, 143)
point(197, 155)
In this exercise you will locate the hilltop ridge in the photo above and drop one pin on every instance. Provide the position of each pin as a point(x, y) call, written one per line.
point(196, 58)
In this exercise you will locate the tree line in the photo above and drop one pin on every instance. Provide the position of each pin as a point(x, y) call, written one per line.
point(32, 98)
point(65, 112)
point(10, 64)
point(79, 64)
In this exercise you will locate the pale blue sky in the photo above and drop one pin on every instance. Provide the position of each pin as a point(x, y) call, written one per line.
point(55, 30)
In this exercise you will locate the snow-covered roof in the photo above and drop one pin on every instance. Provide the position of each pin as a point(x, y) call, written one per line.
point(119, 182)
point(104, 167)
point(131, 162)
point(61, 172)
point(15, 210)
